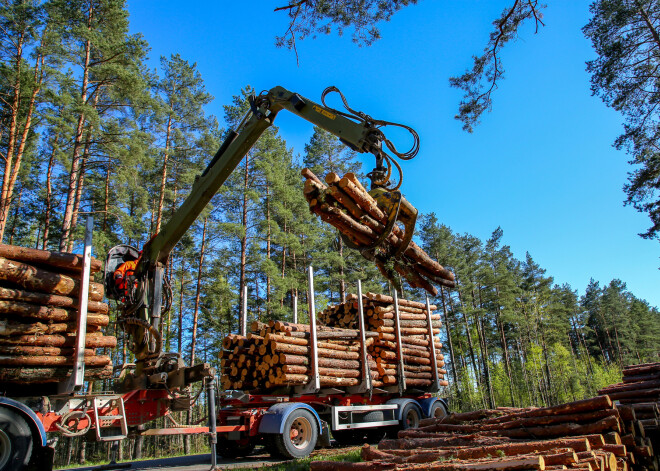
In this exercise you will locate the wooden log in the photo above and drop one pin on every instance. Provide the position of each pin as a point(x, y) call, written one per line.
point(91, 340)
point(50, 300)
point(68, 261)
point(51, 361)
point(46, 313)
point(594, 403)
point(15, 350)
point(383, 298)
point(307, 173)
point(36, 279)
point(507, 448)
point(49, 375)
point(9, 328)
point(340, 466)
point(287, 359)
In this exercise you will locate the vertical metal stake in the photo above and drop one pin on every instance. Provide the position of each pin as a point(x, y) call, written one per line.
point(295, 308)
point(366, 369)
point(77, 378)
point(213, 436)
point(434, 359)
point(397, 329)
point(244, 312)
point(315, 382)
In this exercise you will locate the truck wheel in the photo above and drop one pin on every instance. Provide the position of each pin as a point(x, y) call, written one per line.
point(410, 417)
point(15, 441)
point(348, 437)
point(375, 435)
point(438, 410)
point(234, 448)
point(301, 431)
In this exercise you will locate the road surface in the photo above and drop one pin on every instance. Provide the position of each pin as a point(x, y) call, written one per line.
point(187, 463)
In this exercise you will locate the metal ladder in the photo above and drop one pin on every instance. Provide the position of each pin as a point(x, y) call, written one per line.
point(109, 403)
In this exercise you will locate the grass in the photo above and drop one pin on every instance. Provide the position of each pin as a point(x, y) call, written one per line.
point(351, 455)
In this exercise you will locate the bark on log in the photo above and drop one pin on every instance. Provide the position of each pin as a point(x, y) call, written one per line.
point(67, 261)
point(36, 279)
point(49, 375)
point(47, 313)
point(50, 300)
point(287, 359)
point(51, 361)
point(40, 351)
point(594, 403)
point(579, 444)
point(91, 340)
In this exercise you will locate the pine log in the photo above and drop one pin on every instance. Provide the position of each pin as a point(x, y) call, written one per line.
point(68, 261)
point(39, 351)
point(340, 466)
point(91, 340)
point(8, 328)
point(594, 403)
point(47, 313)
point(36, 279)
point(383, 298)
point(49, 375)
point(50, 361)
point(287, 359)
point(50, 300)
point(579, 444)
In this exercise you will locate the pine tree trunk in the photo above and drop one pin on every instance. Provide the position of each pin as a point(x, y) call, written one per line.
point(182, 275)
point(49, 194)
point(163, 175)
point(200, 271)
point(106, 200)
point(79, 186)
point(244, 223)
point(450, 344)
point(7, 193)
point(11, 140)
point(342, 282)
point(17, 208)
point(75, 161)
point(268, 237)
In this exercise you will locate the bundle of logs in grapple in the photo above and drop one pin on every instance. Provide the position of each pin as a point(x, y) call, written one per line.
point(592, 434)
point(278, 354)
point(39, 293)
point(345, 204)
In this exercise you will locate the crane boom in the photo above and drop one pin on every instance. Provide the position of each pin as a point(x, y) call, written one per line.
point(142, 308)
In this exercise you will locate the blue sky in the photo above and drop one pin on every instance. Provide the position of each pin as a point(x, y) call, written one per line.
point(541, 165)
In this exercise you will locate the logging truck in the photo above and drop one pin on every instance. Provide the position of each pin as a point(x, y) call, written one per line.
point(157, 383)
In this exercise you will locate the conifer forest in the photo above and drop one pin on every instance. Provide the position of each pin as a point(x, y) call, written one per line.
point(87, 129)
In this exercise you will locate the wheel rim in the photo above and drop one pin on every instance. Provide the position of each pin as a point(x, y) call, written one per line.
point(412, 419)
point(300, 433)
point(439, 412)
point(5, 449)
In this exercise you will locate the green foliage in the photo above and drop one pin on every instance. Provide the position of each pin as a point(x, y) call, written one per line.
point(624, 75)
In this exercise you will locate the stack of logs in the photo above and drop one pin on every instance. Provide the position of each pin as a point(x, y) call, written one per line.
point(278, 355)
point(413, 323)
point(345, 204)
point(592, 434)
point(641, 383)
point(39, 293)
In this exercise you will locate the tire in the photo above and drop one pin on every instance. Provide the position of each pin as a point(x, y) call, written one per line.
point(230, 449)
point(301, 431)
point(16, 443)
point(348, 437)
point(410, 416)
point(270, 447)
point(376, 434)
point(438, 410)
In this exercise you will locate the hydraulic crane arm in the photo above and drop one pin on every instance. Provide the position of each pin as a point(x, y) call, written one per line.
point(264, 109)
point(357, 130)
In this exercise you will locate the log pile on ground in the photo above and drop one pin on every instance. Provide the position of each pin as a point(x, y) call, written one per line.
point(593, 434)
point(38, 317)
point(639, 395)
point(641, 383)
point(277, 354)
point(345, 204)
